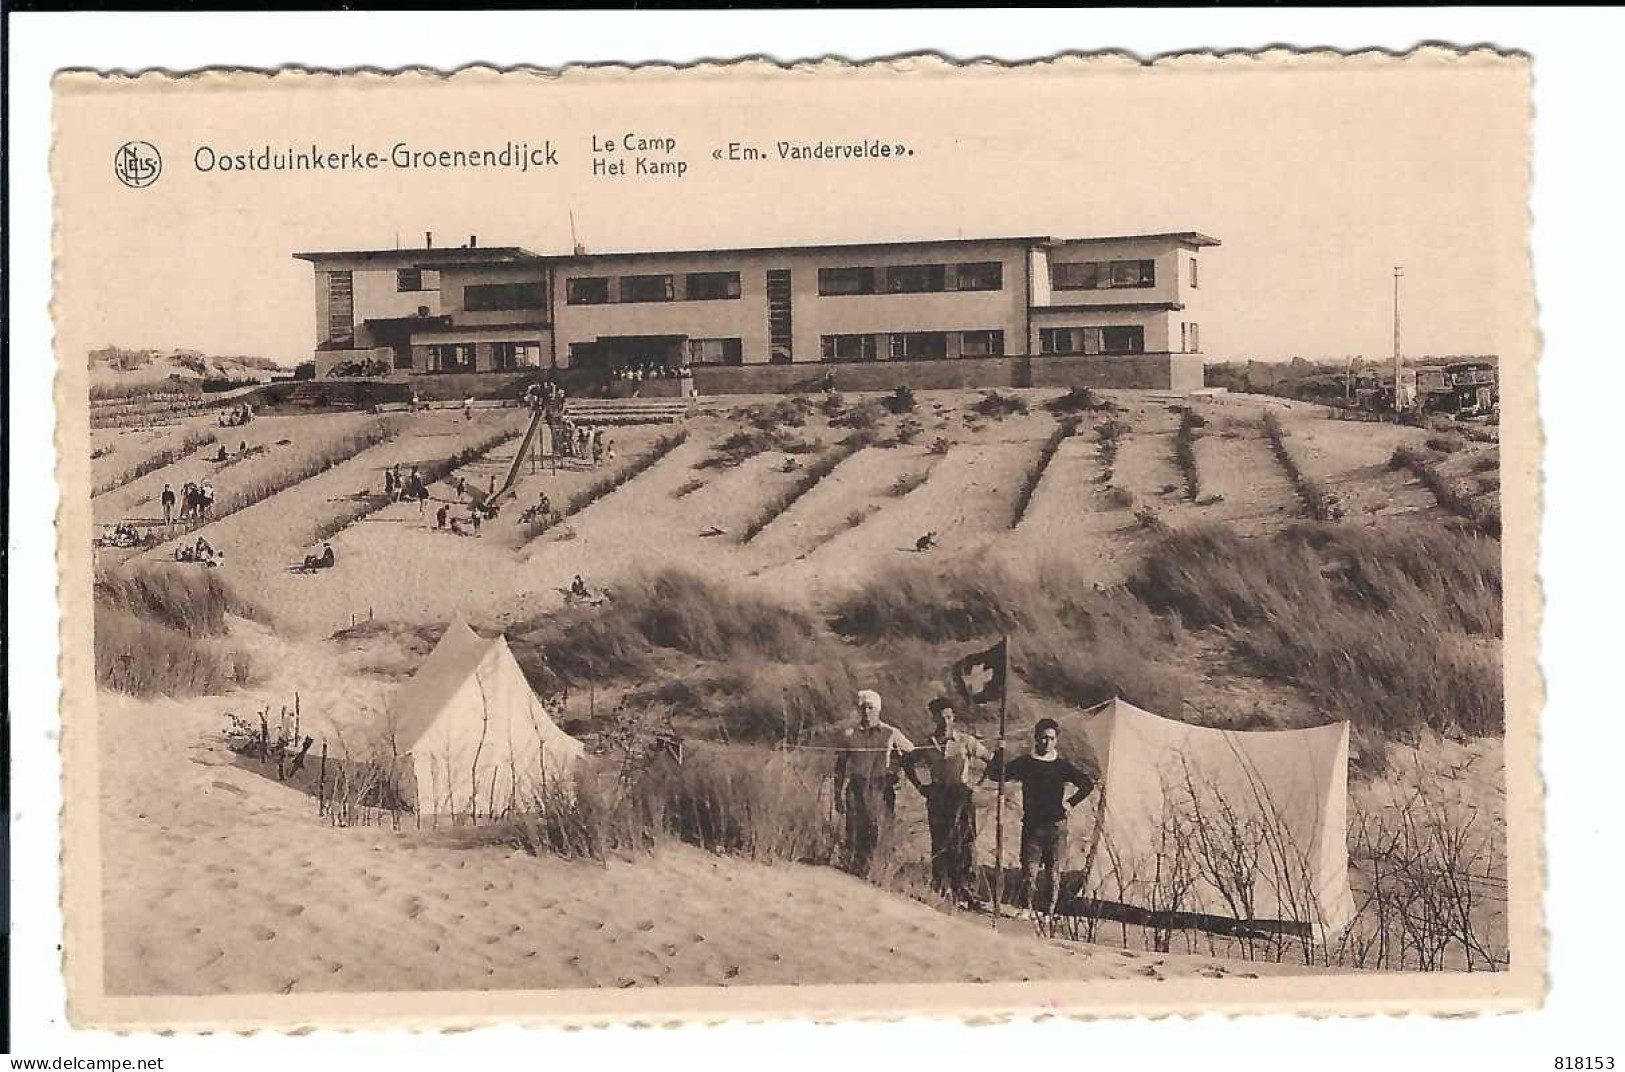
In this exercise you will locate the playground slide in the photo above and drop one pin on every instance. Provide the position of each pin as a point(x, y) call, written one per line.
point(537, 418)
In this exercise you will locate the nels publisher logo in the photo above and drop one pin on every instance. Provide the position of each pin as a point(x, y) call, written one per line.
point(137, 164)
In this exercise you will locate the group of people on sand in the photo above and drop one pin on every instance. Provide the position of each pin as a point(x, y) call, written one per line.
point(195, 502)
point(410, 487)
point(872, 757)
point(236, 416)
point(243, 451)
point(199, 551)
point(124, 534)
point(586, 443)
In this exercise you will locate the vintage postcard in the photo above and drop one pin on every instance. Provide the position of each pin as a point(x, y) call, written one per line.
point(826, 540)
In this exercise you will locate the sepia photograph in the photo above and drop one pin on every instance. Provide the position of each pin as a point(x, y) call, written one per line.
point(940, 537)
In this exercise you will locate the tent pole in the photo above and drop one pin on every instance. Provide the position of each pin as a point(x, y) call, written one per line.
point(998, 806)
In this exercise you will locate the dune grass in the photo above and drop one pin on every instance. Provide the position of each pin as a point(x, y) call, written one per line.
point(156, 633)
point(1460, 497)
point(1035, 472)
point(1185, 452)
point(1394, 630)
point(1321, 504)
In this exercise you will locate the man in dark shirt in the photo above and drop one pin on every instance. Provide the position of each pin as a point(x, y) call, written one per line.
point(1044, 775)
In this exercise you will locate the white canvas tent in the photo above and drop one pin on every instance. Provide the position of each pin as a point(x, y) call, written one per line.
point(470, 734)
point(1248, 825)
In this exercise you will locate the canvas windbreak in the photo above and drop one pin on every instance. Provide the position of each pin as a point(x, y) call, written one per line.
point(1247, 825)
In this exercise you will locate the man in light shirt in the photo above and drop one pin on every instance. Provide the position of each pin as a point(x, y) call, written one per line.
point(863, 763)
point(947, 758)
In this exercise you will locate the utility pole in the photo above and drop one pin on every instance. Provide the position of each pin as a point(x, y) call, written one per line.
point(1399, 273)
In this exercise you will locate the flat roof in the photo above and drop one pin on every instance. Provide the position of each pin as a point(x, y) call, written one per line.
point(449, 256)
point(455, 256)
point(1189, 238)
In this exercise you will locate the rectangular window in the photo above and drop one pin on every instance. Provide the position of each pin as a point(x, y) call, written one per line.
point(849, 348)
point(586, 290)
point(647, 288)
point(489, 297)
point(1196, 339)
point(408, 280)
point(1184, 338)
point(1122, 340)
point(1195, 278)
point(340, 308)
point(981, 343)
point(1075, 275)
point(982, 275)
point(451, 357)
point(839, 281)
point(1070, 340)
point(515, 355)
point(919, 345)
point(916, 278)
point(716, 351)
point(710, 286)
point(1099, 275)
point(1134, 273)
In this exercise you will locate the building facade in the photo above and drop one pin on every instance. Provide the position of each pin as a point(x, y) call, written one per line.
point(1131, 305)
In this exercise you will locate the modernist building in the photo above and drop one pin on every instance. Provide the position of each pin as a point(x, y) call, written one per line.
point(1128, 307)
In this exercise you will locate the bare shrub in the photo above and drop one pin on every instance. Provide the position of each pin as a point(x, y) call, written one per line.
point(999, 404)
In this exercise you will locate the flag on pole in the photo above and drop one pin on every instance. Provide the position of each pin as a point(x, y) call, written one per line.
point(981, 675)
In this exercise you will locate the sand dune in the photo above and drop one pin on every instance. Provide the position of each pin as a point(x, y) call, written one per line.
point(219, 880)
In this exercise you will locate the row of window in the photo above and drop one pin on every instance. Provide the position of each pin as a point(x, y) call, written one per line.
point(1101, 340)
point(1097, 275)
point(832, 282)
point(911, 278)
point(911, 345)
point(697, 286)
point(459, 356)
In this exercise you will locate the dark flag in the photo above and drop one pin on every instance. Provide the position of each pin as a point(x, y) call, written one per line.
point(981, 675)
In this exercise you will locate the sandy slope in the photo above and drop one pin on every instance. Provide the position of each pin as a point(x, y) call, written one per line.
point(219, 880)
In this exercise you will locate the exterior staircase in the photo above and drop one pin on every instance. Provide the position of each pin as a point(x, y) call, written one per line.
point(619, 411)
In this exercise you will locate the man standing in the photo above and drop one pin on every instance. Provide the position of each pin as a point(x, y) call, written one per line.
point(1044, 775)
point(867, 753)
point(168, 498)
point(949, 809)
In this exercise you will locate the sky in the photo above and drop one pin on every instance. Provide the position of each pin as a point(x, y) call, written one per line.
point(1318, 176)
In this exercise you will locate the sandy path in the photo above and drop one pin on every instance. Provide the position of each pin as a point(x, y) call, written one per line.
point(262, 541)
point(219, 880)
point(967, 502)
point(139, 499)
point(131, 446)
point(1239, 465)
point(1070, 518)
point(861, 483)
